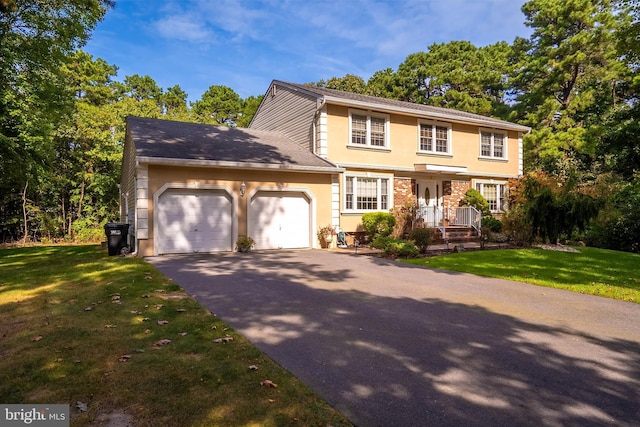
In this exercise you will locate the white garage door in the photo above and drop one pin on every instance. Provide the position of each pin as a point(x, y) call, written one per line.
point(193, 221)
point(279, 220)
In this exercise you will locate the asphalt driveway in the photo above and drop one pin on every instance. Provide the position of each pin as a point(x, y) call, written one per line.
point(390, 344)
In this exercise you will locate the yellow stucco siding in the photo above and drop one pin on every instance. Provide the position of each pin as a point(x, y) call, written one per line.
point(403, 153)
point(317, 185)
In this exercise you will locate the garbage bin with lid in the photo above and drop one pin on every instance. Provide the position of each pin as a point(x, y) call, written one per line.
point(117, 236)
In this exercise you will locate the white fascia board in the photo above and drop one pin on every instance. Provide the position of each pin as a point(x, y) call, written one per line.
point(426, 167)
point(480, 175)
point(236, 165)
point(491, 123)
point(344, 166)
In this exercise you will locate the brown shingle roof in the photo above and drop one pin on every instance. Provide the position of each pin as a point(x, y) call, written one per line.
point(392, 104)
point(166, 139)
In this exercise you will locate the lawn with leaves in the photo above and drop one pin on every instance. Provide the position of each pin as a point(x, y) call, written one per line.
point(590, 271)
point(120, 343)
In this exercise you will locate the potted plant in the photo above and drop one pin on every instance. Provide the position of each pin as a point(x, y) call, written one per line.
point(244, 243)
point(326, 233)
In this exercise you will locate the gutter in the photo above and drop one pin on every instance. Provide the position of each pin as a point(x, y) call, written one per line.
point(161, 161)
point(491, 123)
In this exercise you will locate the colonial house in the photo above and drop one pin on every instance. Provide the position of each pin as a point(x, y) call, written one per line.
point(311, 157)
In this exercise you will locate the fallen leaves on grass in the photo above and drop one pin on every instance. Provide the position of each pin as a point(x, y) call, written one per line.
point(223, 340)
point(124, 358)
point(161, 343)
point(163, 322)
point(268, 384)
point(253, 368)
point(37, 338)
point(82, 406)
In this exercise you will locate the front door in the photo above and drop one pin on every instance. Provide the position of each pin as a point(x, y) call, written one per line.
point(429, 202)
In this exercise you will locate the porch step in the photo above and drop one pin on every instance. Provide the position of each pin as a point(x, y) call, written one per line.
point(456, 234)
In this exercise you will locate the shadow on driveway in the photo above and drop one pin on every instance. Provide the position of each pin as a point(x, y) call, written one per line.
point(391, 344)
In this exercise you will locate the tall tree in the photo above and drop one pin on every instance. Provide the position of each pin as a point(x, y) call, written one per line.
point(458, 75)
point(385, 84)
point(174, 102)
point(566, 78)
point(35, 39)
point(249, 107)
point(218, 105)
point(348, 83)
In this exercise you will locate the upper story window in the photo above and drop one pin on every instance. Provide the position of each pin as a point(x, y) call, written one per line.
point(434, 138)
point(493, 144)
point(366, 193)
point(369, 129)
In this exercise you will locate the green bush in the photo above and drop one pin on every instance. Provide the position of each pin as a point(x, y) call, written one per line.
point(491, 224)
point(381, 242)
point(517, 227)
point(422, 238)
point(474, 198)
point(87, 231)
point(378, 224)
point(401, 249)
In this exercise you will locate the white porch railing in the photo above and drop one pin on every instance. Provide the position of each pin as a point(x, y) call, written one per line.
point(432, 217)
point(467, 216)
point(464, 216)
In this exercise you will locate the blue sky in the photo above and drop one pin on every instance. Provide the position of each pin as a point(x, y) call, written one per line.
point(244, 44)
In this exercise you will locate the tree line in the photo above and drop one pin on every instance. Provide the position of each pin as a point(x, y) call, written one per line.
point(574, 81)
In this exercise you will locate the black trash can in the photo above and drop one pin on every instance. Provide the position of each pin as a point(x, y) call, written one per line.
point(117, 236)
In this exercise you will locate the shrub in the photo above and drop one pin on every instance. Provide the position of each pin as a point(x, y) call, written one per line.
point(381, 242)
point(474, 198)
point(517, 227)
point(422, 238)
point(244, 243)
point(405, 219)
point(491, 224)
point(401, 249)
point(87, 231)
point(378, 224)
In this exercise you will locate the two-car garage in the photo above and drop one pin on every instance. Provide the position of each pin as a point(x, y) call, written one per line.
point(189, 220)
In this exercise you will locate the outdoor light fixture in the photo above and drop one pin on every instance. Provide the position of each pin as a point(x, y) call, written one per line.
point(243, 188)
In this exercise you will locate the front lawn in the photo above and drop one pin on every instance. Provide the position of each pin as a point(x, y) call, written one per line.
point(591, 271)
point(123, 345)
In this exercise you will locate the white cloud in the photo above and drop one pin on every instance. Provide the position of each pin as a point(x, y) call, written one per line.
point(184, 28)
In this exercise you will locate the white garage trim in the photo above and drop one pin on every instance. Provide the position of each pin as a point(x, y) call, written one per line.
point(310, 197)
point(195, 186)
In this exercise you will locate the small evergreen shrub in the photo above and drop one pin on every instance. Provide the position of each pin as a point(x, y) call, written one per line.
point(474, 198)
point(422, 238)
point(378, 224)
point(492, 224)
point(381, 242)
point(401, 249)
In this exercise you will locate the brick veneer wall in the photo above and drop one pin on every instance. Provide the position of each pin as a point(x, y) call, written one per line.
point(453, 192)
point(404, 191)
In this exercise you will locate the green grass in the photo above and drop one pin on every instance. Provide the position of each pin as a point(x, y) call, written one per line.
point(593, 271)
point(79, 326)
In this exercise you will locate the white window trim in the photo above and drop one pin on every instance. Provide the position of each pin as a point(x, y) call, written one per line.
point(482, 182)
point(389, 179)
point(505, 156)
point(369, 115)
point(433, 124)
